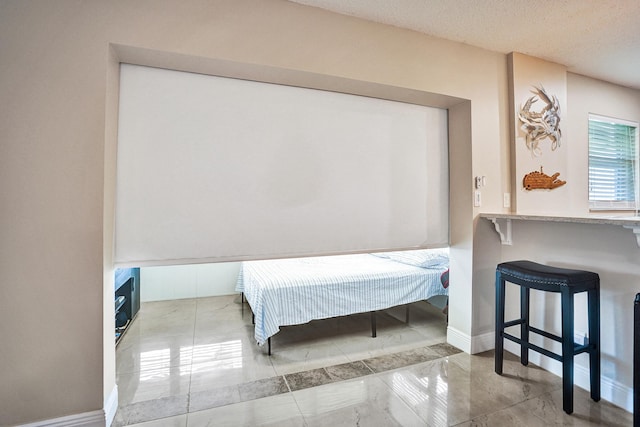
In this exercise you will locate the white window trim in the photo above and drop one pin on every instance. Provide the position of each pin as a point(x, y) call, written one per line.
point(608, 205)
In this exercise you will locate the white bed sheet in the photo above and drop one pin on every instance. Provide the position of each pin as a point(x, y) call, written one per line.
point(298, 290)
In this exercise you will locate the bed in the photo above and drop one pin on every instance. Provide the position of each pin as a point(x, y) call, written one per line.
point(295, 291)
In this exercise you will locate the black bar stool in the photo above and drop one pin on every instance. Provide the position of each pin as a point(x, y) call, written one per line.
point(530, 275)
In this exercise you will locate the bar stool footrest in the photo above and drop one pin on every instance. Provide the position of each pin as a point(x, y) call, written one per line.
point(533, 347)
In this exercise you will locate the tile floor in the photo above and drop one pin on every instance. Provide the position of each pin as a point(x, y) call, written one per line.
point(194, 362)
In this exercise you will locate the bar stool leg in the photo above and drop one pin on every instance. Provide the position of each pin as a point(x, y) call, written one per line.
point(499, 345)
point(567, 351)
point(594, 340)
point(524, 326)
point(373, 324)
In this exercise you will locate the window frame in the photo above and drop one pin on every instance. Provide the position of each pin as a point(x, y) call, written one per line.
point(614, 205)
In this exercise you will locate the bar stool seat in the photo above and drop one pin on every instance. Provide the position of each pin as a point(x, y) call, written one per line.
point(530, 275)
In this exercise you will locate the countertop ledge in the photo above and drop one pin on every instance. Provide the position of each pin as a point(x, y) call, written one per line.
point(502, 222)
point(592, 219)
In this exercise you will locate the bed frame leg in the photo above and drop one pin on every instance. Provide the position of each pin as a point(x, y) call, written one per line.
point(269, 345)
point(373, 324)
point(407, 315)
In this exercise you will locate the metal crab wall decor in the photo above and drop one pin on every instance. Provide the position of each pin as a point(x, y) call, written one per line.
point(543, 124)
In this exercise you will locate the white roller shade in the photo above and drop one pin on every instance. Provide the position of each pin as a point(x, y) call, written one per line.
point(213, 168)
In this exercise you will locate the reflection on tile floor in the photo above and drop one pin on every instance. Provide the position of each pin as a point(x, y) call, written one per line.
point(194, 362)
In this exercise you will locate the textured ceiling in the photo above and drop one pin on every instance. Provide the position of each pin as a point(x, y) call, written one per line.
point(596, 38)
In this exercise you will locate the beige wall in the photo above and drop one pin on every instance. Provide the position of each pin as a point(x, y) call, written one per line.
point(529, 72)
point(59, 90)
point(586, 96)
point(55, 89)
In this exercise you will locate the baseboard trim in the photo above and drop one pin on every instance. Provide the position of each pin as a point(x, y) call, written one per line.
point(85, 419)
point(111, 406)
point(99, 418)
point(469, 344)
point(458, 339)
point(482, 343)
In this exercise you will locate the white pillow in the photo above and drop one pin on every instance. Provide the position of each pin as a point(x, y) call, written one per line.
point(426, 258)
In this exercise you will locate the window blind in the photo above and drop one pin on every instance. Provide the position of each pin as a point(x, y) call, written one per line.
point(218, 169)
point(613, 163)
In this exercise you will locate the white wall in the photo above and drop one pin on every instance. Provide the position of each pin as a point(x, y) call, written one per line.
point(188, 281)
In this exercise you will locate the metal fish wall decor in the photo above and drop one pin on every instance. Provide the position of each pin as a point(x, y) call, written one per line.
point(541, 181)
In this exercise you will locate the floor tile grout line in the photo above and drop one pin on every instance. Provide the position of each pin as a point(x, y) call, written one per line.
point(304, 419)
point(368, 367)
point(287, 383)
point(333, 380)
point(193, 342)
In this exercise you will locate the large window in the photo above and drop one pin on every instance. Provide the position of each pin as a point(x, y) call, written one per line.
point(613, 163)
